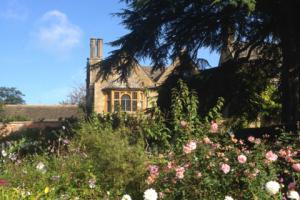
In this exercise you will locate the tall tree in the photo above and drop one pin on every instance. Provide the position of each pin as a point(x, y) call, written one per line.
point(160, 30)
point(10, 95)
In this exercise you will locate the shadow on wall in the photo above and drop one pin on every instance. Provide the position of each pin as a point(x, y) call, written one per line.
point(13, 127)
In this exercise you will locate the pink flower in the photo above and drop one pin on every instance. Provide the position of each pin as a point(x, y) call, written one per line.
point(153, 169)
point(213, 127)
point(187, 165)
point(170, 165)
point(270, 156)
point(183, 124)
point(180, 172)
point(296, 167)
point(189, 147)
point(198, 174)
point(161, 195)
point(251, 139)
point(292, 186)
point(154, 172)
point(257, 141)
point(3, 182)
point(289, 160)
point(242, 159)
point(215, 146)
point(206, 140)
point(225, 168)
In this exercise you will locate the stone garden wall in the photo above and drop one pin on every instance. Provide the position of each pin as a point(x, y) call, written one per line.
point(13, 127)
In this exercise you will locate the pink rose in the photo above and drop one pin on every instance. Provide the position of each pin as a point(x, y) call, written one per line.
point(296, 167)
point(282, 153)
point(271, 156)
point(189, 147)
point(251, 139)
point(180, 172)
point(170, 165)
point(213, 127)
point(183, 124)
point(242, 159)
point(225, 168)
point(257, 141)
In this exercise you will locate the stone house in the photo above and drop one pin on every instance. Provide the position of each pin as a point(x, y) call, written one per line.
point(108, 95)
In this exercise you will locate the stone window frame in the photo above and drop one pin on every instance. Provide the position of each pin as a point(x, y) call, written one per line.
point(115, 98)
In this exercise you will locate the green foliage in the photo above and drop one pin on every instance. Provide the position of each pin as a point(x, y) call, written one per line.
point(118, 165)
point(11, 96)
point(270, 106)
point(108, 156)
point(14, 118)
point(198, 174)
point(156, 133)
point(214, 114)
point(184, 106)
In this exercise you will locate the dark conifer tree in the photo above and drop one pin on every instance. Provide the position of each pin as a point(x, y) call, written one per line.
point(160, 30)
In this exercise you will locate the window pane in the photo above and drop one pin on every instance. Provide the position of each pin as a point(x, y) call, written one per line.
point(134, 105)
point(128, 106)
point(126, 103)
point(134, 95)
point(116, 95)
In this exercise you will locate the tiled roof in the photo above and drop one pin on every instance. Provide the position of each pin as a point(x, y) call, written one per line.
point(154, 75)
point(42, 112)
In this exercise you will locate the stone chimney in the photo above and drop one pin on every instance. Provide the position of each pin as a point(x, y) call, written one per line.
point(93, 48)
point(99, 48)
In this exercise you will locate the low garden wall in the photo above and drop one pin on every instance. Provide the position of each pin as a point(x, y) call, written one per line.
point(13, 127)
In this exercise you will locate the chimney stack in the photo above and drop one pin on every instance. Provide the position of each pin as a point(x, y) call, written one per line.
point(99, 48)
point(93, 48)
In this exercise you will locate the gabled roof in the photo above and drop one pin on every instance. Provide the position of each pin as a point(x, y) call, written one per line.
point(138, 79)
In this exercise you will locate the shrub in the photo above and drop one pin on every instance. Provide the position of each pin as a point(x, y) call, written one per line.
point(119, 166)
point(219, 165)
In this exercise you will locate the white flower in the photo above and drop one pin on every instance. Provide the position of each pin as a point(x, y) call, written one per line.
point(228, 198)
point(272, 187)
point(12, 156)
point(293, 195)
point(3, 152)
point(126, 197)
point(41, 167)
point(150, 194)
point(92, 183)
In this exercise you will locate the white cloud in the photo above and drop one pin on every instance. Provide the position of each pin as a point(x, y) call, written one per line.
point(55, 32)
point(13, 10)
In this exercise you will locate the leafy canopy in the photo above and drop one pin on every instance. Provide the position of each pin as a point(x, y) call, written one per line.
point(11, 95)
point(161, 30)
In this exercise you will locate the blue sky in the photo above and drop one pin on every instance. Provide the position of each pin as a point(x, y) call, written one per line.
point(44, 44)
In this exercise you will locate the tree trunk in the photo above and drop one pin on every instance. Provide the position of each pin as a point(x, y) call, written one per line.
point(290, 67)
